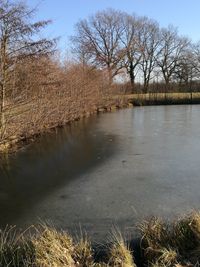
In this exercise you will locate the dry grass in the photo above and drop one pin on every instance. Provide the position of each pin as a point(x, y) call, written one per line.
point(83, 253)
point(161, 96)
point(186, 237)
point(49, 247)
point(168, 257)
point(164, 98)
point(15, 249)
point(163, 245)
point(119, 253)
point(53, 248)
point(166, 244)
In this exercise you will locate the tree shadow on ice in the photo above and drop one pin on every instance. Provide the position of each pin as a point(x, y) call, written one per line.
point(53, 161)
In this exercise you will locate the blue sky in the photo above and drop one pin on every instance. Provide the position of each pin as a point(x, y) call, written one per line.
point(185, 14)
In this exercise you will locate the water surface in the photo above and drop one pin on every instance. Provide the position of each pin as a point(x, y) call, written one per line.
point(111, 169)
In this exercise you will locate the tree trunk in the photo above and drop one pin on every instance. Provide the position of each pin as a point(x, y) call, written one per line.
point(132, 77)
point(167, 85)
point(146, 84)
point(2, 118)
point(3, 87)
point(110, 77)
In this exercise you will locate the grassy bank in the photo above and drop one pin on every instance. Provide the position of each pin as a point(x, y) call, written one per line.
point(164, 98)
point(161, 244)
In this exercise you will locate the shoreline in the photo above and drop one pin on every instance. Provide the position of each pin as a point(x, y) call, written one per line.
point(14, 144)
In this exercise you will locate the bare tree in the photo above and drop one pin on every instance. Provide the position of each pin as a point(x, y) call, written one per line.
point(17, 41)
point(172, 49)
point(98, 39)
point(196, 58)
point(131, 42)
point(186, 73)
point(149, 43)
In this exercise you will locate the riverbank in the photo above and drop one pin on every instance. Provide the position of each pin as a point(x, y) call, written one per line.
point(164, 98)
point(28, 121)
point(50, 97)
point(160, 244)
point(22, 138)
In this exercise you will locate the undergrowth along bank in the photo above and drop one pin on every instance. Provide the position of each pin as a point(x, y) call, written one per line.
point(162, 244)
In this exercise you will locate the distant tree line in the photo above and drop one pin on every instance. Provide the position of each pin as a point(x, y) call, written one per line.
point(154, 58)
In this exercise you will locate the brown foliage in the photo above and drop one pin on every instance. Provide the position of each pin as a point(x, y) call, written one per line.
point(44, 94)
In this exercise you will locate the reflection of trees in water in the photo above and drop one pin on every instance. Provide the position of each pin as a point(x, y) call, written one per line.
point(4, 163)
point(8, 195)
point(5, 168)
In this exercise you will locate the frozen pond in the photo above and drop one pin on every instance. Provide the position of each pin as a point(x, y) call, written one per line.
point(111, 169)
